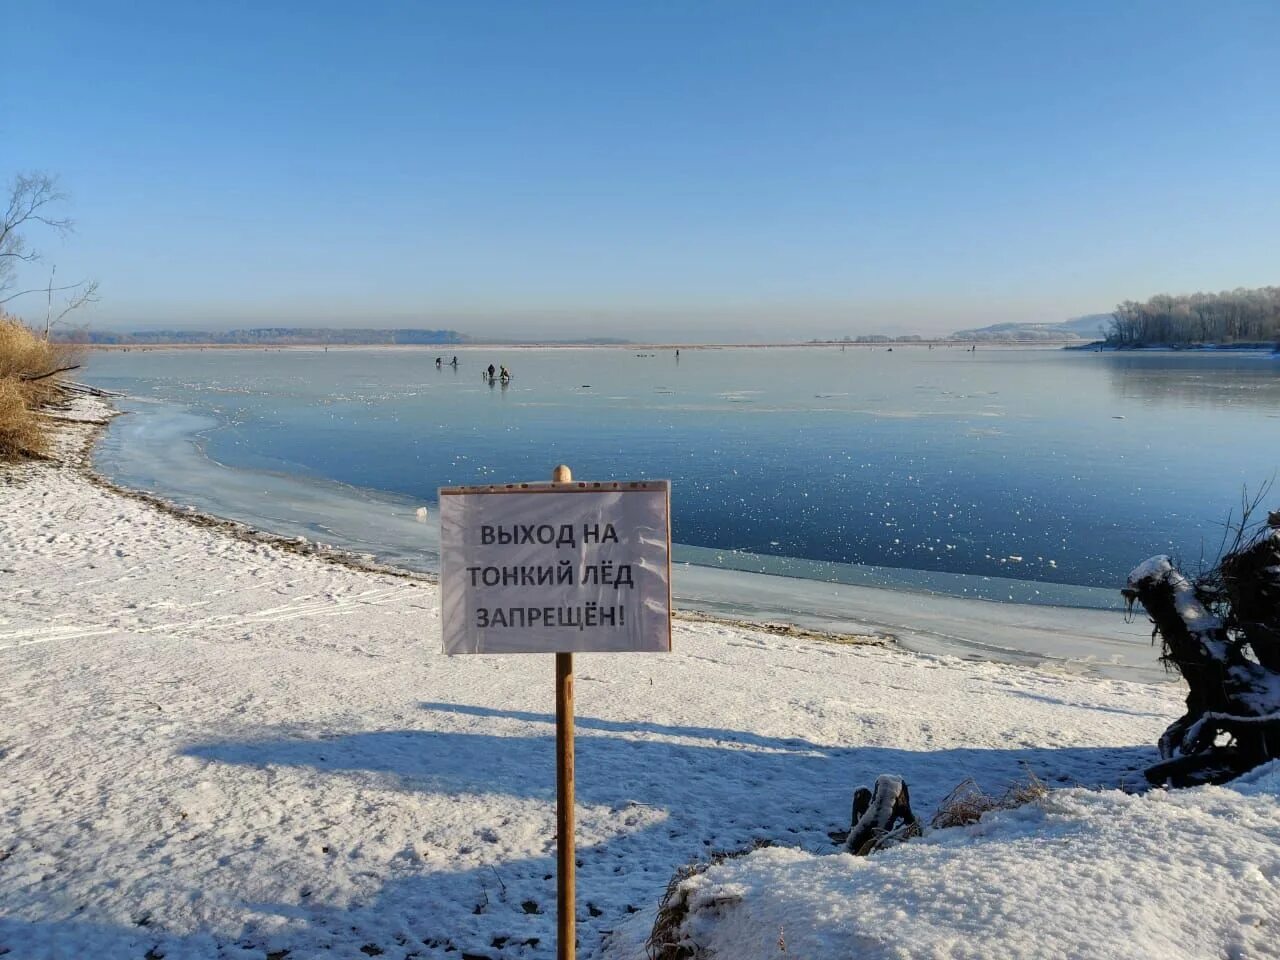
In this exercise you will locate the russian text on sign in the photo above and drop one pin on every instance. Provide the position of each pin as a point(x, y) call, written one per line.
point(556, 567)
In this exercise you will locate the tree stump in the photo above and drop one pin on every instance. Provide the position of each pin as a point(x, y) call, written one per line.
point(882, 817)
point(1222, 634)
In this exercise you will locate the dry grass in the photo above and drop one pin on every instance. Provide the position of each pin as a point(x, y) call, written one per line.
point(968, 802)
point(665, 940)
point(890, 838)
point(26, 360)
point(20, 433)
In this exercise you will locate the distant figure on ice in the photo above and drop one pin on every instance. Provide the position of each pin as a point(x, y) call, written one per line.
point(506, 374)
point(454, 361)
point(439, 362)
point(491, 371)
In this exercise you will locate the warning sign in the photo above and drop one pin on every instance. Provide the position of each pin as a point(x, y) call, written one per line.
point(556, 567)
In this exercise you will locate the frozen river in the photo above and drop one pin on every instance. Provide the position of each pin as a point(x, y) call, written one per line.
point(1031, 477)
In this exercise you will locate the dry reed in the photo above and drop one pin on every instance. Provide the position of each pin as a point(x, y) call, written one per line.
point(968, 802)
point(665, 940)
point(31, 378)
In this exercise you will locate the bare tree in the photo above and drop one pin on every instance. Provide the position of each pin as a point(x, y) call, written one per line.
point(1232, 316)
point(29, 198)
point(33, 198)
point(84, 292)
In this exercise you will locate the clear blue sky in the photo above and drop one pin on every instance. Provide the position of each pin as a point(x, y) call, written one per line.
point(760, 169)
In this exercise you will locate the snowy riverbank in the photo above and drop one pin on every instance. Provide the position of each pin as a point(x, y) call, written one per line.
point(215, 748)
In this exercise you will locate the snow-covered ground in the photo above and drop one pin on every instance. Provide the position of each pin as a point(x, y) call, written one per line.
point(214, 748)
point(1086, 874)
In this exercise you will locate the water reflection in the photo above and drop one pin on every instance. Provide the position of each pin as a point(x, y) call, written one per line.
point(1197, 381)
point(1035, 465)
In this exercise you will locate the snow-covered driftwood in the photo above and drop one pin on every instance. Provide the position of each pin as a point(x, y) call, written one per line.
point(1222, 633)
point(1251, 579)
point(882, 817)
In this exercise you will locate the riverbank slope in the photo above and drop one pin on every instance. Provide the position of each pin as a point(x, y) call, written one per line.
point(220, 748)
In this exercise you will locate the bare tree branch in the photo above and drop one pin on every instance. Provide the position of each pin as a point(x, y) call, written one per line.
point(52, 373)
point(88, 295)
point(69, 286)
point(30, 196)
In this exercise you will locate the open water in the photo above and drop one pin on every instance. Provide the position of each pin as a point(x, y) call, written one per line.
point(1030, 475)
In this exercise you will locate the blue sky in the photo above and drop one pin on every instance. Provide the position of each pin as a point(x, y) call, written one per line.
point(743, 170)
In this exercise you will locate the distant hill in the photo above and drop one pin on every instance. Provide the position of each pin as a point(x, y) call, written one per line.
point(576, 342)
point(280, 336)
point(1090, 327)
point(315, 336)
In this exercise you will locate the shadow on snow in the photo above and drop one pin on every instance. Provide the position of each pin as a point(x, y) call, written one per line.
point(711, 789)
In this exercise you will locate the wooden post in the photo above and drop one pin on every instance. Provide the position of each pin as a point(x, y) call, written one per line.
point(566, 866)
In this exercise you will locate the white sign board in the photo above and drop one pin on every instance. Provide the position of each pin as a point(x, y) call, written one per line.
point(556, 567)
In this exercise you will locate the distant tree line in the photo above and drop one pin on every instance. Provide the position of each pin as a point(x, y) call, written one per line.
point(278, 336)
point(1231, 317)
point(874, 338)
